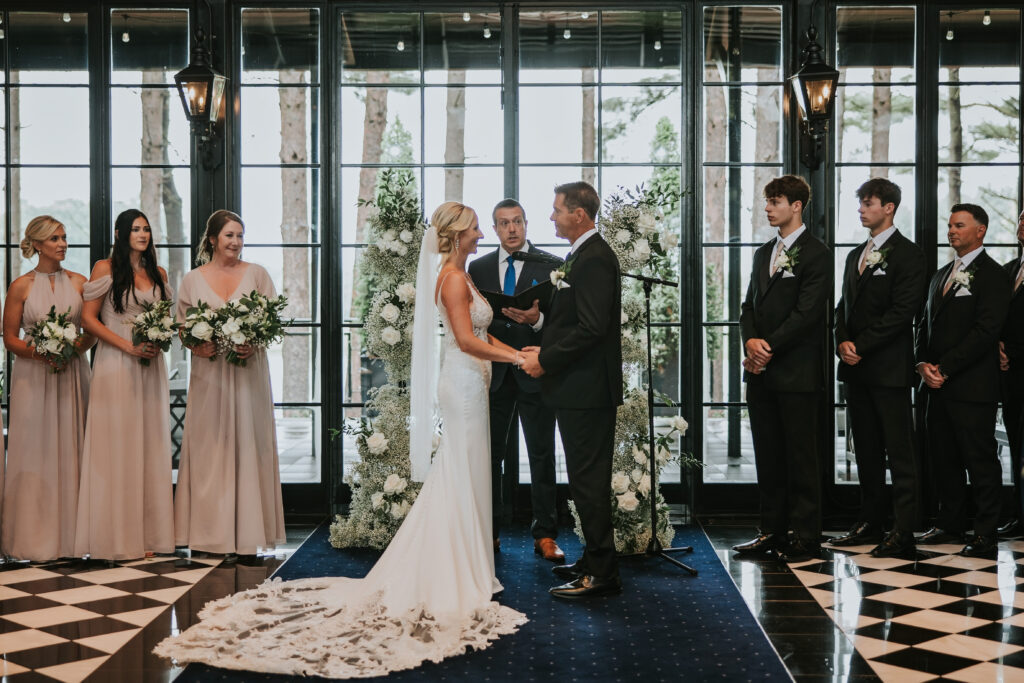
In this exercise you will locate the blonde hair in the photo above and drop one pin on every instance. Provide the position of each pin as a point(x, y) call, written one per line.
point(214, 224)
point(39, 229)
point(450, 219)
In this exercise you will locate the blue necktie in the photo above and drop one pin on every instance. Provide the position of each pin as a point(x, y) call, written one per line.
point(510, 278)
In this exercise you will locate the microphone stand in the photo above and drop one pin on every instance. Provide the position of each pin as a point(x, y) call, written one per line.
point(654, 547)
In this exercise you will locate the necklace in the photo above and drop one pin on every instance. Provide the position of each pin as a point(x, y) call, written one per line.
point(50, 275)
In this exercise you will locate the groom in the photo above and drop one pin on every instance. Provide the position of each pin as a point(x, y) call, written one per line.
point(580, 359)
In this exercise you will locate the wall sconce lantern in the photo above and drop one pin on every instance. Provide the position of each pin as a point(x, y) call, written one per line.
point(815, 87)
point(201, 88)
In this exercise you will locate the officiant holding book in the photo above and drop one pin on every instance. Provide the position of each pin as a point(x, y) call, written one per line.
point(513, 392)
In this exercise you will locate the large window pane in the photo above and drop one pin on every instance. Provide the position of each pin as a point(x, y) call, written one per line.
point(979, 123)
point(276, 123)
point(361, 183)
point(295, 272)
point(479, 188)
point(726, 273)
point(640, 124)
point(278, 205)
point(147, 126)
point(848, 178)
point(54, 129)
point(389, 133)
point(61, 192)
point(160, 193)
point(279, 44)
point(48, 47)
point(298, 444)
point(640, 46)
point(876, 124)
point(974, 50)
point(156, 49)
point(462, 124)
point(757, 29)
point(728, 448)
point(460, 51)
point(743, 123)
point(558, 46)
point(734, 203)
point(875, 44)
point(379, 47)
point(993, 187)
point(570, 137)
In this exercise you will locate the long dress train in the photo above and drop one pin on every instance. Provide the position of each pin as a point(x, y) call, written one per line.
point(427, 598)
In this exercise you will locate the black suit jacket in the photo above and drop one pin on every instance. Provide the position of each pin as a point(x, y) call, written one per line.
point(1013, 334)
point(876, 312)
point(961, 333)
point(484, 272)
point(581, 347)
point(791, 314)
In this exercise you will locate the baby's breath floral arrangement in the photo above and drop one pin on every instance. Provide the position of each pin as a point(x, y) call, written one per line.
point(634, 225)
point(382, 489)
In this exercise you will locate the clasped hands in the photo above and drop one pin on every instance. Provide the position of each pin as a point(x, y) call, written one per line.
point(931, 374)
point(209, 350)
point(758, 355)
point(529, 363)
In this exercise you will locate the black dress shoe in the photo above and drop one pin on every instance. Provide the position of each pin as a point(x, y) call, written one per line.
point(897, 544)
point(800, 550)
point(980, 546)
point(860, 534)
point(570, 571)
point(1011, 528)
point(935, 536)
point(764, 543)
point(587, 587)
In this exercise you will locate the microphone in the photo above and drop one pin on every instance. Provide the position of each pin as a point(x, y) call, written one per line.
point(536, 258)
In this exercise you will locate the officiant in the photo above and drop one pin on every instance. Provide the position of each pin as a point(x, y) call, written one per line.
point(515, 396)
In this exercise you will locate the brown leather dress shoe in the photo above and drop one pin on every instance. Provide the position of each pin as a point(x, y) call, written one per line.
point(548, 549)
point(587, 587)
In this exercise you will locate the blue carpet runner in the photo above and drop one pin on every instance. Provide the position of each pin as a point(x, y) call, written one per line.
point(666, 626)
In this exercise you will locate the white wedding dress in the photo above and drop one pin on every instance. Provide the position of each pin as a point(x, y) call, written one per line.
point(429, 595)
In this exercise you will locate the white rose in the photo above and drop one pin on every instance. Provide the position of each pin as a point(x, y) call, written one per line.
point(405, 236)
point(209, 314)
point(243, 308)
point(377, 443)
point(238, 339)
point(636, 475)
point(628, 501)
point(202, 330)
point(662, 455)
point(405, 292)
point(70, 332)
point(642, 250)
point(624, 318)
point(230, 326)
point(397, 510)
point(388, 236)
point(51, 346)
point(874, 258)
point(680, 423)
point(669, 240)
point(644, 485)
point(166, 322)
point(394, 484)
point(389, 312)
point(622, 236)
point(646, 223)
point(390, 336)
point(640, 455)
point(377, 500)
point(401, 249)
point(620, 482)
point(52, 329)
point(153, 333)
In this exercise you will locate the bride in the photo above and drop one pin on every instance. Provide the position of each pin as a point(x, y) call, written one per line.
point(429, 595)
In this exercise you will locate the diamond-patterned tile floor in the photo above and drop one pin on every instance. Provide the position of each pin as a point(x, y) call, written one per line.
point(76, 620)
point(937, 616)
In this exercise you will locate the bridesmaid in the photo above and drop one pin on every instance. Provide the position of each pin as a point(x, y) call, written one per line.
point(125, 506)
point(228, 498)
point(47, 410)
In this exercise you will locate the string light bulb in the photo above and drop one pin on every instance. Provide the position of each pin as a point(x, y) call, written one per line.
point(949, 31)
point(465, 16)
point(487, 31)
point(585, 15)
point(657, 45)
point(567, 34)
point(987, 18)
point(124, 36)
point(400, 46)
point(66, 17)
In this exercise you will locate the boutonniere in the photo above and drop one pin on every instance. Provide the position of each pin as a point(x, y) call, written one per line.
point(964, 279)
point(879, 258)
point(787, 259)
point(559, 274)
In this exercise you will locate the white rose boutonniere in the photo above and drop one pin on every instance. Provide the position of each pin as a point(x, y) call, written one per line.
point(879, 258)
point(787, 259)
point(964, 279)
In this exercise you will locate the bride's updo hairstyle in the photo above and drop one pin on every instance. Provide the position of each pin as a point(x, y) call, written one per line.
point(449, 220)
point(39, 229)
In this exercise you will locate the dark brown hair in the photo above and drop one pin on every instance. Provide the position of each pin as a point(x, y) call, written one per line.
point(580, 195)
point(885, 190)
point(214, 224)
point(792, 187)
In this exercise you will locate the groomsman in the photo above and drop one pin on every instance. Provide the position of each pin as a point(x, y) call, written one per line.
point(783, 321)
point(883, 289)
point(958, 360)
point(512, 390)
point(1011, 362)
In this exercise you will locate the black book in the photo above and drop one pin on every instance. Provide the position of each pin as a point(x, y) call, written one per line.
point(523, 300)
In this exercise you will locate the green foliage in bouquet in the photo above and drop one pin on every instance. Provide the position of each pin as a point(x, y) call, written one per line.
point(54, 336)
point(154, 325)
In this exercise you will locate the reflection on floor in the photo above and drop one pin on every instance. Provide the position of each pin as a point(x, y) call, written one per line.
point(72, 620)
point(849, 616)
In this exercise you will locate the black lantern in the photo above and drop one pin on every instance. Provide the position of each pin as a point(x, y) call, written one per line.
point(202, 91)
point(814, 85)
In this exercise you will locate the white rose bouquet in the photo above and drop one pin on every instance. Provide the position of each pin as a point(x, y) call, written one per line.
point(198, 327)
point(633, 224)
point(54, 337)
point(253, 320)
point(155, 325)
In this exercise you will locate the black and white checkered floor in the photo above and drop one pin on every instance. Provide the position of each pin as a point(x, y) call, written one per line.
point(941, 615)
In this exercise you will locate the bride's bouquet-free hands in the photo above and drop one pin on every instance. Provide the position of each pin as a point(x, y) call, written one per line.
point(198, 327)
point(155, 325)
point(53, 337)
point(253, 321)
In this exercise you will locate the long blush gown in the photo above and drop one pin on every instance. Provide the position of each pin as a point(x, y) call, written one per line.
point(427, 598)
point(125, 501)
point(44, 438)
point(228, 498)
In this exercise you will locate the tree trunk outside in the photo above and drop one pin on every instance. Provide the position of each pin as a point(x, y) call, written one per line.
point(715, 117)
point(589, 123)
point(14, 132)
point(956, 137)
point(295, 350)
point(455, 136)
point(154, 139)
point(881, 121)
